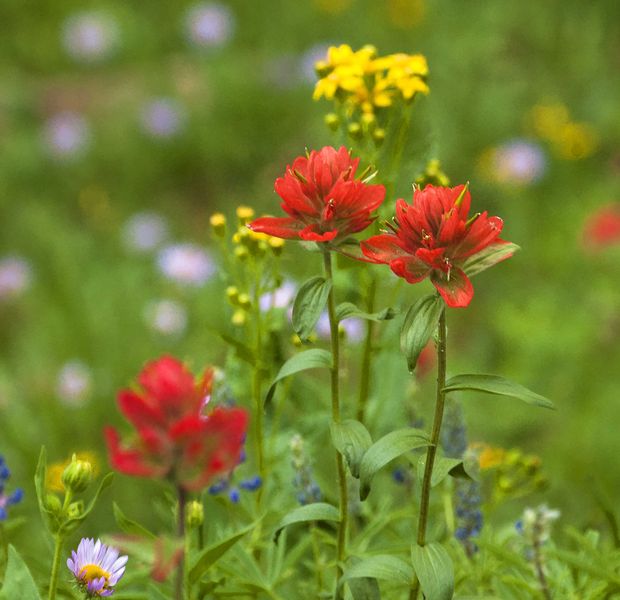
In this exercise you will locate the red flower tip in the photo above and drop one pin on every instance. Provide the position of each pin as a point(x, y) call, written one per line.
point(323, 200)
point(434, 237)
point(602, 229)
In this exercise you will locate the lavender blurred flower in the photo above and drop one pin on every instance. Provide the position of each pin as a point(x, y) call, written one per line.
point(280, 298)
point(67, 134)
point(186, 264)
point(15, 276)
point(166, 317)
point(74, 384)
point(7, 500)
point(353, 328)
point(519, 162)
point(162, 118)
point(144, 231)
point(97, 568)
point(89, 36)
point(209, 24)
point(308, 490)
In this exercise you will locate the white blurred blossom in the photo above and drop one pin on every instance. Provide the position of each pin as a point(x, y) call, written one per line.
point(519, 161)
point(15, 276)
point(166, 317)
point(89, 36)
point(186, 264)
point(209, 24)
point(162, 117)
point(66, 134)
point(353, 328)
point(280, 297)
point(74, 383)
point(144, 231)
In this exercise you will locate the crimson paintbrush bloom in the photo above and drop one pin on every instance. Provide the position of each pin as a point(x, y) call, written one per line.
point(175, 440)
point(434, 237)
point(324, 201)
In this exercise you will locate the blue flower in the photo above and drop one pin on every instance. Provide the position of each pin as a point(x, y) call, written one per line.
point(7, 500)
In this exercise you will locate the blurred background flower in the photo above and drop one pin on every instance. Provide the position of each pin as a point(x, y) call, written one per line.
point(167, 317)
point(162, 118)
point(144, 231)
point(74, 384)
point(89, 36)
point(209, 24)
point(15, 276)
point(186, 264)
point(67, 134)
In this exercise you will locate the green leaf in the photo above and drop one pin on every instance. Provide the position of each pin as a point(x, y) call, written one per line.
point(309, 304)
point(488, 257)
point(18, 582)
point(433, 566)
point(241, 350)
point(318, 511)
point(213, 553)
point(347, 310)
point(364, 588)
point(442, 467)
point(380, 566)
point(351, 439)
point(494, 384)
point(387, 449)
point(51, 515)
point(129, 526)
point(419, 325)
point(309, 359)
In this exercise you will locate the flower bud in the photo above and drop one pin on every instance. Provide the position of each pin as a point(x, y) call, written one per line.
point(245, 214)
point(77, 475)
point(195, 514)
point(276, 245)
point(52, 503)
point(355, 130)
point(378, 135)
point(241, 253)
point(332, 121)
point(369, 121)
point(218, 224)
point(244, 301)
point(239, 318)
point(232, 294)
point(75, 509)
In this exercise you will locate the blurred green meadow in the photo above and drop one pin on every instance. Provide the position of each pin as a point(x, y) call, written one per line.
point(124, 126)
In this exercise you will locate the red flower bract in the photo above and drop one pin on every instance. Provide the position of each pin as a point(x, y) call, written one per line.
point(434, 237)
point(324, 201)
point(175, 440)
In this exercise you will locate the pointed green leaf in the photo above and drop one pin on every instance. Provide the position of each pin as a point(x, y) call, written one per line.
point(309, 304)
point(210, 555)
point(364, 588)
point(348, 310)
point(418, 327)
point(51, 517)
point(488, 257)
point(433, 566)
point(380, 566)
point(387, 449)
point(309, 359)
point(129, 526)
point(319, 511)
point(18, 582)
point(71, 524)
point(494, 384)
point(442, 467)
point(351, 439)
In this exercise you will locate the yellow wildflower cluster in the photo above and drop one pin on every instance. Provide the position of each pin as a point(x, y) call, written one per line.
point(432, 175)
point(249, 252)
point(363, 81)
point(569, 139)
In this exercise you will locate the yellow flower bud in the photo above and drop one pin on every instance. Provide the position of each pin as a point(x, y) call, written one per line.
point(244, 301)
point(239, 318)
point(232, 294)
point(276, 245)
point(378, 135)
point(241, 253)
point(355, 130)
point(218, 224)
point(77, 475)
point(245, 214)
point(332, 121)
point(195, 514)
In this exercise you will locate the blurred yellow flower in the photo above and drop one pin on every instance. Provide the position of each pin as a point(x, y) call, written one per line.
point(53, 478)
point(405, 14)
point(490, 457)
point(245, 213)
point(332, 7)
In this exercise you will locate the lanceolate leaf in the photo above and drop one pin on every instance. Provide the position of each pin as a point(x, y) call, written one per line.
point(419, 324)
point(347, 310)
point(309, 359)
point(442, 467)
point(488, 257)
point(129, 526)
point(364, 588)
point(434, 569)
point(18, 582)
point(381, 566)
point(212, 553)
point(319, 511)
point(352, 440)
point(494, 384)
point(309, 304)
point(387, 449)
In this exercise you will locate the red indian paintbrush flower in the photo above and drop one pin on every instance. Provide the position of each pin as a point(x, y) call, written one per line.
point(324, 201)
point(434, 237)
point(175, 440)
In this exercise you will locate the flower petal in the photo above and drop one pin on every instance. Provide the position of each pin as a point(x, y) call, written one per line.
point(282, 227)
point(411, 268)
point(309, 234)
point(457, 290)
point(383, 248)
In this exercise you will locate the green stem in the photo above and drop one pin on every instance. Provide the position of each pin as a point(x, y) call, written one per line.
point(432, 449)
point(257, 382)
point(180, 577)
point(367, 356)
point(58, 539)
point(335, 393)
point(318, 563)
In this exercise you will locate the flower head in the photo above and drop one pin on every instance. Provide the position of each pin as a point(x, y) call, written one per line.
point(89, 36)
point(209, 24)
point(67, 134)
point(324, 201)
point(15, 276)
point(186, 264)
point(74, 384)
point(175, 440)
point(434, 237)
point(144, 231)
point(7, 500)
point(96, 567)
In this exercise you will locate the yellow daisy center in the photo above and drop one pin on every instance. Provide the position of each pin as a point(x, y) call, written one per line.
point(90, 572)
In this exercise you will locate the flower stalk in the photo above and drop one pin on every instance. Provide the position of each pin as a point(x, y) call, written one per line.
point(179, 585)
point(59, 538)
point(335, 395)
